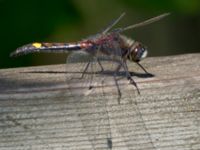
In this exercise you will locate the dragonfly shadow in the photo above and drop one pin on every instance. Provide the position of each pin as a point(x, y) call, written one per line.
point(123, 74)
point(108, 73)
point(45, 72)
point(142, 75)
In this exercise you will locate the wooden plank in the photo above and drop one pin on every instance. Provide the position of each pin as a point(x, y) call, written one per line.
point(40, 108)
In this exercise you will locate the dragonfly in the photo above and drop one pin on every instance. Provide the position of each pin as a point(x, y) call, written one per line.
point(108, 45)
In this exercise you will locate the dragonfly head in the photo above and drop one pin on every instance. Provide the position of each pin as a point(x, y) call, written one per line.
point(138, 52)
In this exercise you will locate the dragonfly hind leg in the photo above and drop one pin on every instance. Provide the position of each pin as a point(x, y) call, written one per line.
point(86, 67)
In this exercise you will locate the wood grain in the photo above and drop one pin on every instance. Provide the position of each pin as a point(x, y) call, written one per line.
point(40, 108)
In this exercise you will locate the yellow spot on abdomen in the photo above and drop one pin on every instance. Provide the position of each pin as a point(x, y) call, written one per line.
point(37, 45)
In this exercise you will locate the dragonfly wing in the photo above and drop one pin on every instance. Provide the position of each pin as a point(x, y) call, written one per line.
point(125, 117)
point(79, 56)
point(146, 22)
point(113, 23)
point(107, 124)
point(91, 106)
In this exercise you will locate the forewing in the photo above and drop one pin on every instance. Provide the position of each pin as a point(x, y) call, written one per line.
point(113, 23)
point(146, 22)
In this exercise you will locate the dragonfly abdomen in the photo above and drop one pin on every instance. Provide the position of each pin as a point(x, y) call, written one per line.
point(45, 48)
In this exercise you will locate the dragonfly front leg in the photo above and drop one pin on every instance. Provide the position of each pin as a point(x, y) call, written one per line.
point(142, 68)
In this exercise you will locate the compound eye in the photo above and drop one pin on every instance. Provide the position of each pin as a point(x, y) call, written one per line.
point(141, 52)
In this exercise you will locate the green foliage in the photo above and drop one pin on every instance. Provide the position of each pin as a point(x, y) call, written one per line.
point(25, 21)
point(33, 20)
point(179, 6)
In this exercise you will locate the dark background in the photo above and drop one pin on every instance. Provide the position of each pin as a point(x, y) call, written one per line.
point(26, 21)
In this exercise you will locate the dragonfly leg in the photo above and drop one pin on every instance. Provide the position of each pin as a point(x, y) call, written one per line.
point(86, 68)
point(133, 83)
point(118, 67)
point(118, 89)
point(102, 69)
point(142, 67)
point(128, 76)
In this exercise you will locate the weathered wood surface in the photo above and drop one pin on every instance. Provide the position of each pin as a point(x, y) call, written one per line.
point(38, 111)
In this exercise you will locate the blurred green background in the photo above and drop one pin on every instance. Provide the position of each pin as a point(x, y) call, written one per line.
point(26, 21)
